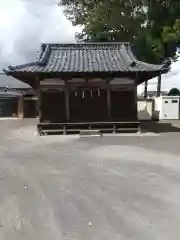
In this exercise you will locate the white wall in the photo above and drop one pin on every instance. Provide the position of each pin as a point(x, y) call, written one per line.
point(145, 109)
point(167, 107)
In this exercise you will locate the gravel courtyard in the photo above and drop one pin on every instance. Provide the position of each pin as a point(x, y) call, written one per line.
point(66, 187)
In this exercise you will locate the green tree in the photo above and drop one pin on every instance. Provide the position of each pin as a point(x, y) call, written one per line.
point(153, 27)
point(174, 92)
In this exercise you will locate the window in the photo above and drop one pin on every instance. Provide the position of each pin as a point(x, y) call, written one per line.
point(165, 101)
point(174, 101)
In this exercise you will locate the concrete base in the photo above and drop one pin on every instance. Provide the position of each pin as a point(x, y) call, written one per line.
point(9, 118)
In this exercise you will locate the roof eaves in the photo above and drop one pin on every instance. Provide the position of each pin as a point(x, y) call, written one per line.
point(163, 68)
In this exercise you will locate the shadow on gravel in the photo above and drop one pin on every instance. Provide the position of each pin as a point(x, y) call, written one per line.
point(160, 127)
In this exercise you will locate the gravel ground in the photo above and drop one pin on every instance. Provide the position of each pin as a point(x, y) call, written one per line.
point(66, 187)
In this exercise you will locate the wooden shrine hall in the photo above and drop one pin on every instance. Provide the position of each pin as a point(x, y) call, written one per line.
point(86, 86)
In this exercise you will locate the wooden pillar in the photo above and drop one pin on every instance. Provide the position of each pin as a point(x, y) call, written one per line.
point(158, 93)
point(135, 96)
point(67, 104)
point(21, 107)
point(38, 93)
point(39, 104)
point(145, 88)
point(109, 102)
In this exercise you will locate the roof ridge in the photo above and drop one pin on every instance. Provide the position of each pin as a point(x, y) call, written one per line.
point(85, 44)
point(44, 55)
point(41, 61)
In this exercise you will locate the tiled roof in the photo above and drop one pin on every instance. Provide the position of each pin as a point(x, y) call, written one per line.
point(9, 82)
point(86, 57)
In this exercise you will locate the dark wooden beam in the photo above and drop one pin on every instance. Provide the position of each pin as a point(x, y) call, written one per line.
point(135, 95)
point(67, 104)
point(29, 77)
point(38, 93)
point(21, 107)
point(145, 89)
point(109, 102)
point(108, 96)
point(158, 93)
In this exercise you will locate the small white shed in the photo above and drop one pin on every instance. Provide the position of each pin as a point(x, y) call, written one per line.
point(167, 107)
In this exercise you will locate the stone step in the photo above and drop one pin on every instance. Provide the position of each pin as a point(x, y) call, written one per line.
point(90, 136)
point(127, 129)
point(90, 132)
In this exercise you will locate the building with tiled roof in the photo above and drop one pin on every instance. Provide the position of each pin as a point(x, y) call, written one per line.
point(13, 93)
point(12, 83)
point(86, 58)
point(86, 82)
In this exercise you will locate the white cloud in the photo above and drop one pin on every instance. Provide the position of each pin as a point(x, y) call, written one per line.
point(25, 24)
point(10, 15)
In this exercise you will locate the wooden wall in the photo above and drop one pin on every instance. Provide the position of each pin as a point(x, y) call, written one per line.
point(52, 106)
point(123, 106)
point(87, 105)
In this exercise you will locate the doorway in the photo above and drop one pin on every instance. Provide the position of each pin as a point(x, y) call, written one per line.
point(88, 105)
point(8, 107)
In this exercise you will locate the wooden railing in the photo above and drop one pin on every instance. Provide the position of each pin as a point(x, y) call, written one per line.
point(76, 128)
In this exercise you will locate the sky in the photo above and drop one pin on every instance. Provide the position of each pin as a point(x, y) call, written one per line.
point(25, 24)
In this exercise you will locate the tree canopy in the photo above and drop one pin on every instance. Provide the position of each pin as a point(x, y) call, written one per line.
point(174, 92)
point(152, 26)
